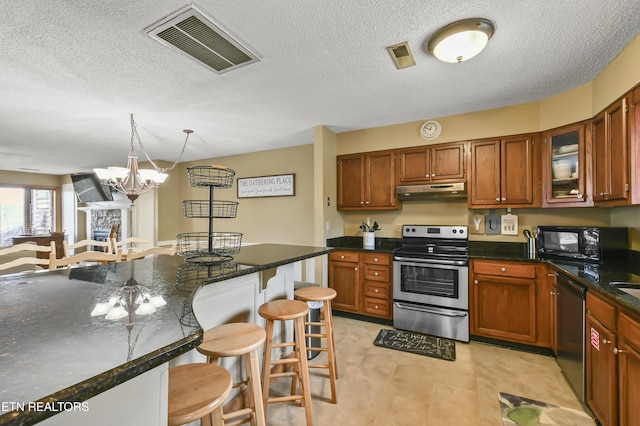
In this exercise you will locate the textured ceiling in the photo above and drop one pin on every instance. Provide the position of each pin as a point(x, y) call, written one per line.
point(71, 72)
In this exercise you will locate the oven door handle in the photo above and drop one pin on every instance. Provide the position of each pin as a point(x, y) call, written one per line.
point(430, 311)
point(432, 261)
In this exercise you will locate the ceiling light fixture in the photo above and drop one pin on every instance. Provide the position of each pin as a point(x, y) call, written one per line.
point(461, 40)
point(131, 180)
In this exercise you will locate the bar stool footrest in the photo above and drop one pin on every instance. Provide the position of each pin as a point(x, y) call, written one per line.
point(288, 398)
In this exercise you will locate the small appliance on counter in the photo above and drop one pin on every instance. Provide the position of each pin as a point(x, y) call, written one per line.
point(582, 243)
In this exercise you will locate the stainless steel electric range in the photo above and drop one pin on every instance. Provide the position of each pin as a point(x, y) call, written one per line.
point(430, 281)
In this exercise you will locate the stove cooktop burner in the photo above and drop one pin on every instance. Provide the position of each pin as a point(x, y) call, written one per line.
point(438, 242)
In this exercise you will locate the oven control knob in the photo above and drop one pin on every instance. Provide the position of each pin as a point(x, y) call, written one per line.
point(462, 231)
point(455, 231)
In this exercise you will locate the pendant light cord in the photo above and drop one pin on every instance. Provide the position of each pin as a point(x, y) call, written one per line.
point(134, 135)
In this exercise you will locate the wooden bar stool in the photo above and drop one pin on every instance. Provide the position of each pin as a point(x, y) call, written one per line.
point(243, 340)
point(197, 390)
point(282, 310)
point(324, 295)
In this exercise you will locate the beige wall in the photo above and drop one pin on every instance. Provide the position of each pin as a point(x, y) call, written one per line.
point(261, 220)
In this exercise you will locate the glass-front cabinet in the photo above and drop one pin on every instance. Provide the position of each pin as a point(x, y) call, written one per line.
point(564, 167)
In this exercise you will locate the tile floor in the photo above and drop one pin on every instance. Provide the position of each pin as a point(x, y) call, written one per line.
point(379, 386)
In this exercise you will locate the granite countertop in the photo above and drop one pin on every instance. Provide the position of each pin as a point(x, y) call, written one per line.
point(53, 350)
point(596, 277)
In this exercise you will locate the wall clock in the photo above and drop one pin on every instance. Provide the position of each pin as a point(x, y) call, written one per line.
point(430, 130)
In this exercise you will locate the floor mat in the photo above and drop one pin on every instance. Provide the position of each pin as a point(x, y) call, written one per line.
point(417, 343)
point(520, 411)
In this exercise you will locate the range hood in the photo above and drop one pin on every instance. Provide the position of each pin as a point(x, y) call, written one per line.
point(441, 191)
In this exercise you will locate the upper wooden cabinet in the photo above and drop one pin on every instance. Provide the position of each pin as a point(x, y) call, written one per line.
point(503, 173)
point(431, 164)
point(565, 172)
point(610, 138)
point(366, 181)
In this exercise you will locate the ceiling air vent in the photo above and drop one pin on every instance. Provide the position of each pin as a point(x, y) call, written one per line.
point(190, 32)
point(402, 55)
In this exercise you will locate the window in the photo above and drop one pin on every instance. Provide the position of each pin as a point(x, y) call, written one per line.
point(25, 211)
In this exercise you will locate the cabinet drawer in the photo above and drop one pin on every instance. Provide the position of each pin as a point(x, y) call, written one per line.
point(377, 259)
point(602, 311)
point(376, 273)
point(345, 256)
point(373, 289)
point(523, 270)
point(377, 307)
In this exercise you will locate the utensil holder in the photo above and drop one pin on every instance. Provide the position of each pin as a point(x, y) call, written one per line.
point(531, 247)
point(369, 240)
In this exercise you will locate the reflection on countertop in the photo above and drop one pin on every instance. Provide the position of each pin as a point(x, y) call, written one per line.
point(53, 349)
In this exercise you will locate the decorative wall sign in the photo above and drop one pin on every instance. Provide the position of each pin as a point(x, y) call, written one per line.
point(509, 224)
point(476, 224)
point(266, 186)
point(492, 224)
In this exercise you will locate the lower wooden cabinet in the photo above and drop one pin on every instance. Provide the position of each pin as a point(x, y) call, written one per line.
point(628, 370)
point(362, 281)
point(344, 278)
point(601, 360)
point(511, 301)
point(613, 363)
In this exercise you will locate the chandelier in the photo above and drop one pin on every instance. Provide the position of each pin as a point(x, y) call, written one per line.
point(131, 180)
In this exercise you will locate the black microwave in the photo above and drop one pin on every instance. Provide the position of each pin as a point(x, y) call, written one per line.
point(584, 243)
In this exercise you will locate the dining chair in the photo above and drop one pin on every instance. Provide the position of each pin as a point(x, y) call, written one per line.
point(85, 256)
point(88, 245)
point(26, 254)
point(133, 254)
point(135, 243)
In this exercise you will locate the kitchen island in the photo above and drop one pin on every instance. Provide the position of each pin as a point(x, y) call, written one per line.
point(62, 365)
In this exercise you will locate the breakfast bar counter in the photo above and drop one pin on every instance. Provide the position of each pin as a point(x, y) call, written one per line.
point(65, 359)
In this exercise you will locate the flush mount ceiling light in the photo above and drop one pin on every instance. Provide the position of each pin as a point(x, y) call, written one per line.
point(461, 40)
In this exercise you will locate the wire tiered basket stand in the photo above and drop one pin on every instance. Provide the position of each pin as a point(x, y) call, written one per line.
point(207, 253)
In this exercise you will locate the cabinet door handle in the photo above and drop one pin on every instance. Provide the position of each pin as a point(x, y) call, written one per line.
point(553, 293)
point(617, 351)
point(606, 342)
point(504, 199)
point(355, 269)
point(367, 202)
point(361, 202)
point(375, 291)
point(503, 269)
point(579, 196)
point(375, 259)
point(475, 282)
point(376, 306)
point(375, 273)
point(433, 175)
point(342, 256)
point(497, 198)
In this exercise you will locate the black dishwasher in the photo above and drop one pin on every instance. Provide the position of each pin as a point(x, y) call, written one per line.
point(571, 332)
